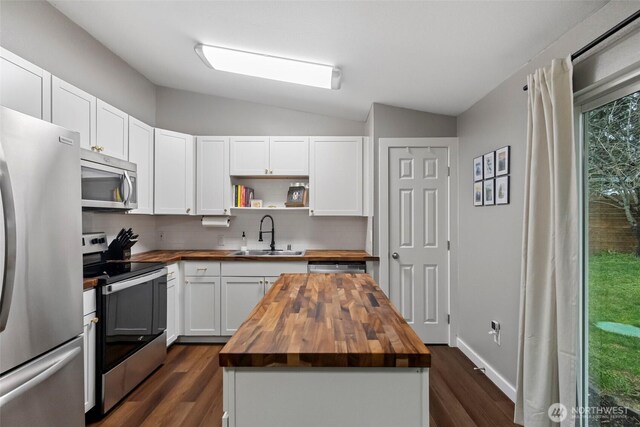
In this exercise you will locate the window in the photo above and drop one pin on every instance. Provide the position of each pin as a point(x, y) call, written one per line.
point(611, 291)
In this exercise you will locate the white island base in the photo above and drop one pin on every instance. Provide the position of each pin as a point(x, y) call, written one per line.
point(325, 397)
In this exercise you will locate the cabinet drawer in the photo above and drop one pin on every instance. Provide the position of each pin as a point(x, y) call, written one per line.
point(266, 268)
point(201, 269)
point(88, 301)
point(172, 271)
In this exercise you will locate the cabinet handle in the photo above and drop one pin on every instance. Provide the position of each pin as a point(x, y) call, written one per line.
point(188, 210)
point(94, 320)
point(201, 268)
point(266, 171)
point(271, 171)
point(225, 211)
point(311, 211)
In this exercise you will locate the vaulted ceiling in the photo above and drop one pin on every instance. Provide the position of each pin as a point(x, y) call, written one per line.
point(436, 56)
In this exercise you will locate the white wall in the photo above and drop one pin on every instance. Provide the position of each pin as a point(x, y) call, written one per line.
point(490, 237)
point(295, 228)
point(112, 223)
point(39, 33)
point(200, 114)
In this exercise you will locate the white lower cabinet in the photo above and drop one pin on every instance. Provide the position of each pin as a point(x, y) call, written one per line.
point(89, 347)
point(268, 283)
point(172, 319)
point(201, 306)
point(243, 286)
point(239, 296)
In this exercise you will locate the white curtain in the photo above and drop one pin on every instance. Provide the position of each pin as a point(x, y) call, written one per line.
point(547, 352)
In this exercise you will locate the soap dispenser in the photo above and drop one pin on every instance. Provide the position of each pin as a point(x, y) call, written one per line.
point(244, 242)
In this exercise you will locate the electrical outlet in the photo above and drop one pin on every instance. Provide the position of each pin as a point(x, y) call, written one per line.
point(220, 240)
point(495, 331)
point(161, 236)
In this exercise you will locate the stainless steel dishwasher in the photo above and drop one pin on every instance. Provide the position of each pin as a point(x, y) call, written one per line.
point(337, 267)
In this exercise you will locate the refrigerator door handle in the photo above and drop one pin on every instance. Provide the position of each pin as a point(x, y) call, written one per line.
point(10, 252)
point(34, 376)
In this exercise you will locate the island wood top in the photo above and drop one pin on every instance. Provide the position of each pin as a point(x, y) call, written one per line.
point(325, 320)
point(169, 256)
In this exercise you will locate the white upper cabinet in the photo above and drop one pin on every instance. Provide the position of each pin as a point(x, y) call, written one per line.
point(335, 179)
point(24, 87)
point(289, 155)
point(112, 131)
point(74, 109)
point(213, 186)
point(274, 156)
point(249, 155)
point(174, 173)
point(141, 153)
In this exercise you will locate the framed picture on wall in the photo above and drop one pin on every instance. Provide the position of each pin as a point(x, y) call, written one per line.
point(489, 193)
point(477, 169)
point(502, 190)
point(490, 165)
point(477, 194)
point(502, 160)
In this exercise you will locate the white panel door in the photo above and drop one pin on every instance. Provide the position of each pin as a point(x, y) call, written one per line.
point(172, 326)
point(239, 296)
point(202, 306)
point(249, 155)
point(174, 184)
point(74, 109)
point(418, 238)
point(289, 155)
point(213, 186)
point(141, 153)
point(112, 134)
point(24, 87)
point(89, 348)
point(335, 179)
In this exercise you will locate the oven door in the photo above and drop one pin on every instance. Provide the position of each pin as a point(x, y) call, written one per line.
point(107, 187)
point(132, 314)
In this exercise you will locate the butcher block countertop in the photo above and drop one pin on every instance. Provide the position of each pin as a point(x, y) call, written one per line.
point(89, 283)
point(217, 255)
point(325, 320)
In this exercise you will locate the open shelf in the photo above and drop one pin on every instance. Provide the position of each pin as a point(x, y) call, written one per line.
point(278, 208)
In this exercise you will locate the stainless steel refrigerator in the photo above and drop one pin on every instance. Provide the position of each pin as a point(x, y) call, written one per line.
point(41, 358)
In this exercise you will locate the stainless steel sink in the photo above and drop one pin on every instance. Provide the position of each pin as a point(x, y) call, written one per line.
point(268, 252)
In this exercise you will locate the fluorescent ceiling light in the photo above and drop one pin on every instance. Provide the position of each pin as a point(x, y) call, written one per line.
point(269, 67)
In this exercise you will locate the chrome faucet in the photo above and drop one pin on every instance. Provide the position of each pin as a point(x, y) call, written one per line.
point(273, 232)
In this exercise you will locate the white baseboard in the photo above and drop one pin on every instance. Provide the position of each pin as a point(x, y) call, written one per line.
point(490, 372)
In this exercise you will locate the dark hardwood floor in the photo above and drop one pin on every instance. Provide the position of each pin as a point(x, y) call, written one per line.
point(187, 391)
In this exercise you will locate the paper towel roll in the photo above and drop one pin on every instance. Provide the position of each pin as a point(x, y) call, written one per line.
point(216, 221)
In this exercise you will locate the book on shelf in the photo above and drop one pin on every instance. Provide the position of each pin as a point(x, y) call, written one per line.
point(242, 196)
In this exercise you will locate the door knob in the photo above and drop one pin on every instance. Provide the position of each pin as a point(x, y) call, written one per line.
point(395, 255)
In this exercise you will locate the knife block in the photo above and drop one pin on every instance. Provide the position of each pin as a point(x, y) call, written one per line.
point(116, 252)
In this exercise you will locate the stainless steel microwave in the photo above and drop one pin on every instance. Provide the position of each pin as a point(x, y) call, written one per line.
point(108, 183)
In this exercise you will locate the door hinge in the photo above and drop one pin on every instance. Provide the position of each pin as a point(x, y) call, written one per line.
point(448, 245)
point(448, 319)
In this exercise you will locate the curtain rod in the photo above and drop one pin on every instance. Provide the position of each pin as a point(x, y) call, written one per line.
point(602, 38)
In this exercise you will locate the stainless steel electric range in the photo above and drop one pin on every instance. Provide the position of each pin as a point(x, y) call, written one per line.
point(132, 311)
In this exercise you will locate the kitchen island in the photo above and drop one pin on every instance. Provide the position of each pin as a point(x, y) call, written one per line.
point(325, 350)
